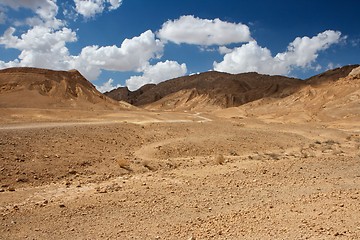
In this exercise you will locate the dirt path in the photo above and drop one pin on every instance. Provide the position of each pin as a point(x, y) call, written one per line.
point(193, 118)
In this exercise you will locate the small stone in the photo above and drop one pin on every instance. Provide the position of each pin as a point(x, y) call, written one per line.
point(21, 180)
point(2, 190)
point(72, 172)
point(11, 189)
point(101, 190)
point(61, 205)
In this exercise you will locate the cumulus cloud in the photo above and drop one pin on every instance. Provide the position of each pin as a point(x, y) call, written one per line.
point(114, 4)
point(40, 46)
point(107, 86)
point(250, 57)
point(132, 55)
point(45, 10)
point(224, 50)
point(302, 52)
point(157, 73)
point(89, 8)
point(192, 30)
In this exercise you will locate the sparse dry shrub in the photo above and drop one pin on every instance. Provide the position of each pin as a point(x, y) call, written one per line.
point(331, 142)
point(124, 163)
point(273, 156)
point(219, 159)
point(148, 165)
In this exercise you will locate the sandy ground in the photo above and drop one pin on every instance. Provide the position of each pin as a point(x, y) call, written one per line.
point(163, 175)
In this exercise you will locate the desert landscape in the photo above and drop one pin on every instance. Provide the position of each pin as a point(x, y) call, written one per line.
point(207, 156)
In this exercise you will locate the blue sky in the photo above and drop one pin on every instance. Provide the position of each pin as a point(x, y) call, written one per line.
point(133, 42)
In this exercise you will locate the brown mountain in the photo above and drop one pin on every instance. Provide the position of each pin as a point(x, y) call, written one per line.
point(42, 88)
point(335, 99)
point(331, 75)
point(214, 90)
point(211, 89)
point(124, 94)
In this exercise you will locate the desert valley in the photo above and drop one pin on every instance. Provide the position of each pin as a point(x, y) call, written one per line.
point(207, 156)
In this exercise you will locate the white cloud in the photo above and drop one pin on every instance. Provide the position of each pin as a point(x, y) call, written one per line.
point(40, 46)
point(132, 55)
point(157, 73)
point(89, 8)
point(302, 52)
point(114, 4)
point(2, 15)
point(224, 50)
point(38, 38)
point(46, 11)
point(318, 68)
point(191, 30)
point(250, 57)
point(355, 42)
point(107, 86)
point(332, 65)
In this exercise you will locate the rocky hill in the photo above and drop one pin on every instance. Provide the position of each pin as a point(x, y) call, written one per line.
point(211, 89)
point(42, 88)
point(320, 99)
point(215, 90)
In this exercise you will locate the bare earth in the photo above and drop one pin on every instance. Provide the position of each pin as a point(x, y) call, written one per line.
point(163, 175)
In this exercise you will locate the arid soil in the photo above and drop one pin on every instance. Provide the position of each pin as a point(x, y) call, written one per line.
point(164, 175)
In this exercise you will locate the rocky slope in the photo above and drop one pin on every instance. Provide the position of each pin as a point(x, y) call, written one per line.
point(215, 90)
point(42, 88)
point(219, 90)
point(321, 99)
